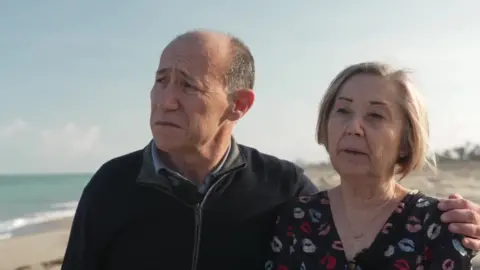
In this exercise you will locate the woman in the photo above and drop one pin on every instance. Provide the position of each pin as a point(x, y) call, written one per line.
point(374, 127)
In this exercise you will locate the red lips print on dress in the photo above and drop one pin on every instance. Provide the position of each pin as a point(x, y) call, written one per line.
point(306, 227)
point(401, 265)
point(329, 261)
point(448, 264)
point(324, 229)
point(315, 243)
point(413, 224)
point(386, 228)
point(290, 231)
point(337, 245)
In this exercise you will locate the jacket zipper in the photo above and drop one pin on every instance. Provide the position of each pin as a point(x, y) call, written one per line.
point(198, 223)
point(199, 215)
point(198, 211)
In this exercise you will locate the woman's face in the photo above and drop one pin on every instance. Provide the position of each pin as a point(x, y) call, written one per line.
point(365, 127)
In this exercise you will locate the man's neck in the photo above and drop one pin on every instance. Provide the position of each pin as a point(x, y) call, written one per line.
point(196, 164)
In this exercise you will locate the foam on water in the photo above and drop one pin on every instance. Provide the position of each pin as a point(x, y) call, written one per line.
point(57, 211)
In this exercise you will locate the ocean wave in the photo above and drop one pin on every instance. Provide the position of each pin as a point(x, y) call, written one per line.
point(71, 204)
point(57, 211)
point(4, 236)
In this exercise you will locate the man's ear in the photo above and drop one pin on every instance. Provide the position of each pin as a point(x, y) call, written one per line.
point(241, 101)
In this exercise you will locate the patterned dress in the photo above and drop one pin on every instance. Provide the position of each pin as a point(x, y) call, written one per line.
point(412, 238)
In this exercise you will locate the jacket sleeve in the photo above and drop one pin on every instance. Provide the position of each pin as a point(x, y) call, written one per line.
point(82, 252)
point(305, 186)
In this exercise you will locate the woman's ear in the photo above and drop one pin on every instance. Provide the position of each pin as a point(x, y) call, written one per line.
point(403, 151)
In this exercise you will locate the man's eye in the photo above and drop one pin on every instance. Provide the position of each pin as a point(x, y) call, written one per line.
point(188, 87)
point(186, 84)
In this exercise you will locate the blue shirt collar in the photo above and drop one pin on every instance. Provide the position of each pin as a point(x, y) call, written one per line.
point(159, 165)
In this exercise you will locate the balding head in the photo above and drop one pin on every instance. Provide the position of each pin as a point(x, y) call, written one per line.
point(233, 59)
point(203, 87)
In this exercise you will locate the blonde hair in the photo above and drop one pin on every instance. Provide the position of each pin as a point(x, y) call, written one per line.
point(416, 133)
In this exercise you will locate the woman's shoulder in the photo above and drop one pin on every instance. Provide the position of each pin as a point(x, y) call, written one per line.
point(310, 208)
point(423, 210)
point(438, 238)
point(422, 204)
point(425, 207)
point(435, 230)
point(318, 200)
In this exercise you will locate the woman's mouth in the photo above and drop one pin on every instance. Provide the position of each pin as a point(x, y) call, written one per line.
point(354, 152)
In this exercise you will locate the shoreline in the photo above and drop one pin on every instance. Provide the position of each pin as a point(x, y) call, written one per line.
point(39, 228)
point(43, 249)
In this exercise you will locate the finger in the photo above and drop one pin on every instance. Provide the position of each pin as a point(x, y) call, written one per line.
point(450, 204)
point(473, 244)
point(455, 196)
point(461, 216)
point(467, 229)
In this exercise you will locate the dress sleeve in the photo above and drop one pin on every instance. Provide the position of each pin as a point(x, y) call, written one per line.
point(283, 245)
point(444, 249)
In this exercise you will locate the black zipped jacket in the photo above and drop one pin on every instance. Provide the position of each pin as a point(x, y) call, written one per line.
point(131, 218)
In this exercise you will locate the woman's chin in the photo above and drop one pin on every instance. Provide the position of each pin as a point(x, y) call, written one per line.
point(352, 169)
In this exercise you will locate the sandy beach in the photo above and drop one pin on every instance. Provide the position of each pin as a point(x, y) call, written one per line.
point(40, 251)
point(45, 250)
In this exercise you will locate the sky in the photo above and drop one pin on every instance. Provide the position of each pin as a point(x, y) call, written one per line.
point(75, 76)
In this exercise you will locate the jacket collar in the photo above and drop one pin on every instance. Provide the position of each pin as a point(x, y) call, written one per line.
point(235, 160)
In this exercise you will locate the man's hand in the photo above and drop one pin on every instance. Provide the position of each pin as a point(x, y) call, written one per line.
point(464, 218)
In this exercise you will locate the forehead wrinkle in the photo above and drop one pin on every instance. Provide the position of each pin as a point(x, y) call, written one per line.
point(180, 64)
point(202, 55)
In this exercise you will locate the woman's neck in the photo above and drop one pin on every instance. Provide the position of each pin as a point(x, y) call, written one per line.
point(362, 194)
point(360, 208)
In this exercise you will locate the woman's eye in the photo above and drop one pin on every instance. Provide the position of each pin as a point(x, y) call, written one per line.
point(342, 110)
point(376, 115)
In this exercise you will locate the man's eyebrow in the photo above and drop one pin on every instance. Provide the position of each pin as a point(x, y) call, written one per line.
point(165, 70)
point(159, 72)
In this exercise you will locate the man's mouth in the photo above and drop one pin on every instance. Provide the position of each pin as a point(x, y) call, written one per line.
point(166, 124)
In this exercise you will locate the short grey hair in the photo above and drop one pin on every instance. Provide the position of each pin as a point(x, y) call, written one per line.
point(241, 69)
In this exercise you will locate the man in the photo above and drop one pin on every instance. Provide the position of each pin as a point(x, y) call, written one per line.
point(193, 198)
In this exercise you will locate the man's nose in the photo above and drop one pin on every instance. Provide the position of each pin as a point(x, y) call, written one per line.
point(165, 97)
point(354, 126)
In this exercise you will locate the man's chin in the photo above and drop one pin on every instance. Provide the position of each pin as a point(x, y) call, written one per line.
point(168, 144)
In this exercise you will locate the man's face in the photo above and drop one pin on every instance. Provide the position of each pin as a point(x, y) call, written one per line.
point(189, 100)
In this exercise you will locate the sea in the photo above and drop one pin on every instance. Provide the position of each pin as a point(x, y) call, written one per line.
point(29, 201)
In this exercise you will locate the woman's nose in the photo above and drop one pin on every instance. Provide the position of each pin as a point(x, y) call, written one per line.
point(354, 126)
